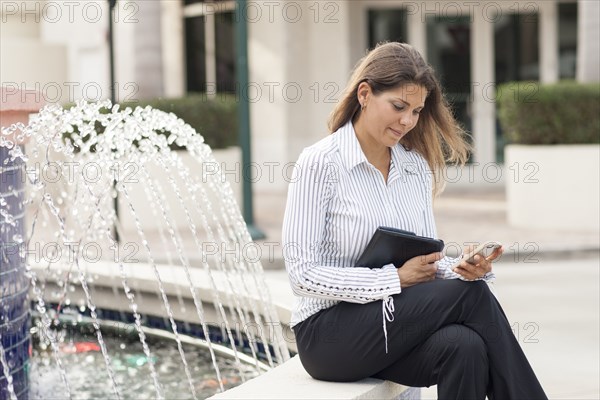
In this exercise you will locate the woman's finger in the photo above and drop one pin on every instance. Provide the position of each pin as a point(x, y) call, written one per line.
point(466, 273)
point(431, 258)
point(495, 254)
point(474, 271)
point(483, 263)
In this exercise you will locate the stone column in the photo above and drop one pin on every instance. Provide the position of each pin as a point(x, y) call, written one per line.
point(588, 49)
point(417, 32)
point(548, 33)
point(484, 107)
point(15, 106)
point(173, 51)
point(148, 47)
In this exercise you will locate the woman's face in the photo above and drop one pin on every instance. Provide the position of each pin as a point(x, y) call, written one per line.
point(390, 115)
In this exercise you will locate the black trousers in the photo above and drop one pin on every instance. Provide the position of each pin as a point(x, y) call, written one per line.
point(446, 332)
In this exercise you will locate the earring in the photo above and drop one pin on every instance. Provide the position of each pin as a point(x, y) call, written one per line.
point(362, 107)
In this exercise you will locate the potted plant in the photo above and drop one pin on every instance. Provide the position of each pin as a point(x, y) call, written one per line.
point(553, 156)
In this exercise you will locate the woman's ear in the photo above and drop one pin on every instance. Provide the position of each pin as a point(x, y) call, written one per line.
point(362, 93)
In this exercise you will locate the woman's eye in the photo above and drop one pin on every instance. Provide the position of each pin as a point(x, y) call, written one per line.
point(417, 112)
point(398, 108)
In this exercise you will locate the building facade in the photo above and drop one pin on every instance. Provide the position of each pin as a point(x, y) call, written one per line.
point(300, 56)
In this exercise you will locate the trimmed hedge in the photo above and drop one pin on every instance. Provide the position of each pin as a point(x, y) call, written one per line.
point(562, 113)
point(215, 119)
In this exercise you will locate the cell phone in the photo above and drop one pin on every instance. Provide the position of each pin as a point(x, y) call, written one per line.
point(484, 249)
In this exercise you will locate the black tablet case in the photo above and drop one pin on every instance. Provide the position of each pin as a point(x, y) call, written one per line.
point(391, 245)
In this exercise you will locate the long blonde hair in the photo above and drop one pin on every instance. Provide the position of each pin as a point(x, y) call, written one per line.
point(437, 136)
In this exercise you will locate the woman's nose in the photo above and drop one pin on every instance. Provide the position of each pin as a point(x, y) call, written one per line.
point(405, 119)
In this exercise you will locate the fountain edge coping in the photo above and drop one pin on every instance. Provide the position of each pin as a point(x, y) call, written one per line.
point(291, 381)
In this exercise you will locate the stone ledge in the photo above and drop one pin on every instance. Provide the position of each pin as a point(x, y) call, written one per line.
point(291, 381)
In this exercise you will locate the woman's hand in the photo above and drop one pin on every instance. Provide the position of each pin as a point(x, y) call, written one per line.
point(418, 269)
point(482, 265)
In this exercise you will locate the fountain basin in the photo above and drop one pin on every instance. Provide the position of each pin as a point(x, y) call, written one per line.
point(287, 381)
point(104, 280)
point(86, 371)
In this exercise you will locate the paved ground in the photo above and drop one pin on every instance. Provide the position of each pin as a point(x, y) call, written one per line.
point(553, 307)
point(548, 282)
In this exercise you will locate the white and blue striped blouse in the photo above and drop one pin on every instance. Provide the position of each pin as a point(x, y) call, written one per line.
point(336, 201)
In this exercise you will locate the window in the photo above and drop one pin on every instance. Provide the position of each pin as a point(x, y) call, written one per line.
point(225, 52)
point(517, 48)
point(516, 42)
point(387, 25)
point(449, 52)
point(567, 40)
point(195, 54)
point(210, 46)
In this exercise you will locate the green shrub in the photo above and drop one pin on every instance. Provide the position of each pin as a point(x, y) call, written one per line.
point(215, 119)
point(562, 113)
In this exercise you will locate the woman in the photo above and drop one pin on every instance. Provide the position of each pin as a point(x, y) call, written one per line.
point(427, 322)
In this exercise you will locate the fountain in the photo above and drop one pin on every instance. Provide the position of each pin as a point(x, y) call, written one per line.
point(200, 281)
point(14, 310)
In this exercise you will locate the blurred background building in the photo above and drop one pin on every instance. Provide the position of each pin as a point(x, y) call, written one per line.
point(300, 55)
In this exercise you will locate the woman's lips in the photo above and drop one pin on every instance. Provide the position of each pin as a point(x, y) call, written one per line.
point(397, 133)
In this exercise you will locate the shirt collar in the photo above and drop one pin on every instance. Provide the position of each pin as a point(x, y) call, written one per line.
point(351, 153)
point(398, 155)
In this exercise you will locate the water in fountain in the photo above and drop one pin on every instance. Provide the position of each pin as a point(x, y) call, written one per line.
point(179, 229)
